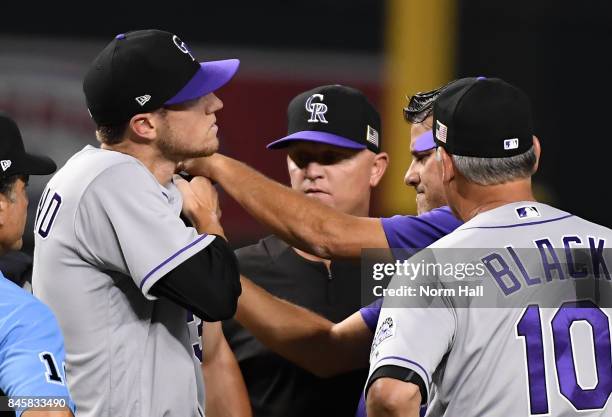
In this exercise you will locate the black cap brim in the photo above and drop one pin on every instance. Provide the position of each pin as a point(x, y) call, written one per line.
point(30, 164)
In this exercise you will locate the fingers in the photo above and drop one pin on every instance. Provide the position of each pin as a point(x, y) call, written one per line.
point(199, 191)
point(203, 166)
point(182, 185)
point(190, 165)
point(201, 182)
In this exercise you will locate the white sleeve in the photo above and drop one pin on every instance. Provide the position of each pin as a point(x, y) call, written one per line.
point(125, 223)
point(412, 337)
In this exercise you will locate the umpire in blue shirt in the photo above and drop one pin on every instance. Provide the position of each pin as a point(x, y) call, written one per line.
point(32, 380)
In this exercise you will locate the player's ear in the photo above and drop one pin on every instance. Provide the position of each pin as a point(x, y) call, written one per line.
point(379, 166)
point(538, 151)
point(446, 161)
point(4, 203)
point(144, 125)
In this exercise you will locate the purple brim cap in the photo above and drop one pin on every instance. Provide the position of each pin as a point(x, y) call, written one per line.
point(211, 76)
point(315, 136)
point(424, 142)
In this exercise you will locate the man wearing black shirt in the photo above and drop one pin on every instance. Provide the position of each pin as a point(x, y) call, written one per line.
point(333, 155)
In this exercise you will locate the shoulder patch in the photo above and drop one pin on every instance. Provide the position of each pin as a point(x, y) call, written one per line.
point(384, 332)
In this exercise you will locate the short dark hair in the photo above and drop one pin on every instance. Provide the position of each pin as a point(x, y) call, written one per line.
point(7, 183)
point(420, 105)
point(112, 134)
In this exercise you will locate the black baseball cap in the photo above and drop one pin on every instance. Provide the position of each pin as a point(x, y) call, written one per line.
point(332, 114)
point(14, 160)
point(483, 117)
point(143, 70)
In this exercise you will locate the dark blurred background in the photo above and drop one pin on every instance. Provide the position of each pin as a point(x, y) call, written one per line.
point(555, 51)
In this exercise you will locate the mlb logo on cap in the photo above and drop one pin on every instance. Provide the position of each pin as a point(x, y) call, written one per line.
point(475, 116)
point(511, 144)
point(527, 212)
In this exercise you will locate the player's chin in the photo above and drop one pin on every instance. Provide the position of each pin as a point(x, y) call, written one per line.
point(322, 197)
point(212, 145)
point(208, 148)
point(422, 204)
point(17, 244)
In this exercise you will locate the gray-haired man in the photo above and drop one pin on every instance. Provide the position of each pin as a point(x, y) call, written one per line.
point(533, 355)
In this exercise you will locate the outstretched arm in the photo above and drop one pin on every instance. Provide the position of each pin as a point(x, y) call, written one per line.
point(301, 221)
point(226, 394)
point(303, 337)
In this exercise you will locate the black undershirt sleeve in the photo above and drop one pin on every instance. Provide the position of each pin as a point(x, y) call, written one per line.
point(207, 284)
point(403, 374)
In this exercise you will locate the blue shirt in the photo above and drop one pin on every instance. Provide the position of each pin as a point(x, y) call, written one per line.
point(31, 347)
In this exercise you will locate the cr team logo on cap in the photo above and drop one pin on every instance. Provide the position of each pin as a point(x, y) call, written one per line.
point(317, 110)
point(181, 46)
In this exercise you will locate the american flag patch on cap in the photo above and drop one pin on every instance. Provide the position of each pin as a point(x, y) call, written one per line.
point(372, 136)
point(441, 131)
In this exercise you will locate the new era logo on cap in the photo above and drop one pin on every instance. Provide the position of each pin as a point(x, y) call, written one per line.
point(144, 70)
point(441, 131)
point(511, 144)
point(14, 160)
point(142, 100)
point(527, 212)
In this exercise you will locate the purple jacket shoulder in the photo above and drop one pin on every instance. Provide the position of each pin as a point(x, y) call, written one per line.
point(419, 231)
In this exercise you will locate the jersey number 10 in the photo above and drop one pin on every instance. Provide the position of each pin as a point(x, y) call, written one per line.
point(46, 213)
point(530, 328)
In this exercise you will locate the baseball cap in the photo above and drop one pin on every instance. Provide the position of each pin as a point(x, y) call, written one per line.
point(14, 160)
point(333, 114)
point(483, 117)
point(419, 108)
point(143, 70)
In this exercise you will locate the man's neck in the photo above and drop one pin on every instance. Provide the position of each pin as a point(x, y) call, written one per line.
point(475, 199)
point(162, 168)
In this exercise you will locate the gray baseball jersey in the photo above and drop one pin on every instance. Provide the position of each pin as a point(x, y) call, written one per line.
point(105, 232)
point(527, 343)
